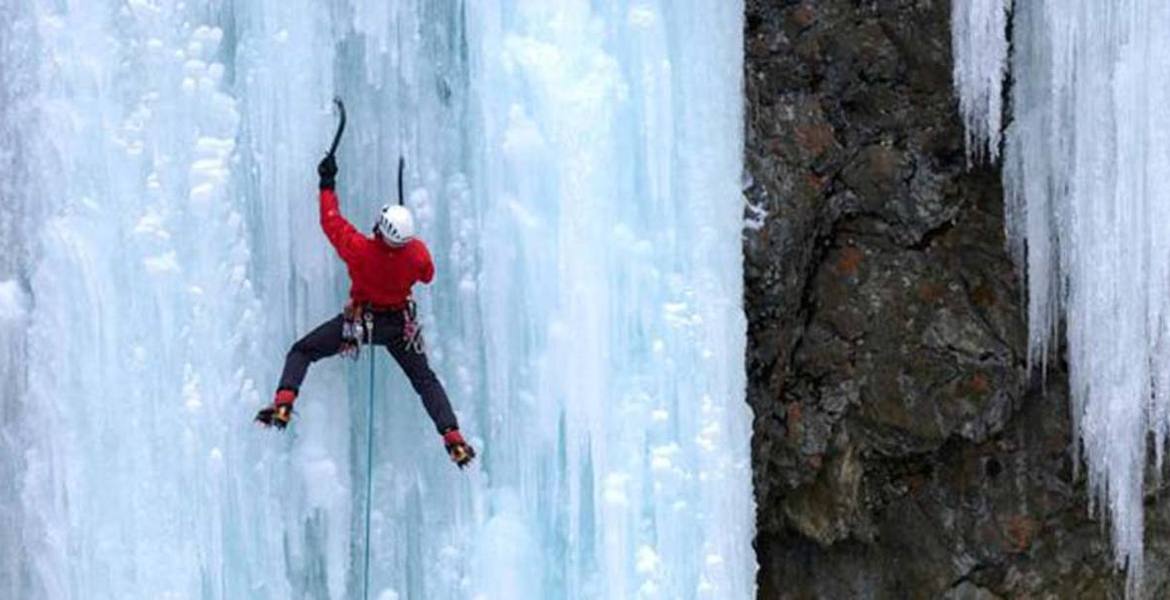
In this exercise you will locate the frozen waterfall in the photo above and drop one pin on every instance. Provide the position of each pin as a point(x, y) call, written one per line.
point(1085, 162)
point(574, 167)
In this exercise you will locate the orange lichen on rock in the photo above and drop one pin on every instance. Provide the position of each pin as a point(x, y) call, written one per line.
point(929, 291)
point(804, 15)
point(1020, 531)
point(815, 137)
point(850, 260)
point(979, 383)
point(793, 413)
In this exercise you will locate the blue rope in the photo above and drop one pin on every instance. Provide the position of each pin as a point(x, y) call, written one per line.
point(369, 467)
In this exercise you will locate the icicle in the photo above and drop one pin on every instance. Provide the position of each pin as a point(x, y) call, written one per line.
point(1087, 211)
point(980, 47)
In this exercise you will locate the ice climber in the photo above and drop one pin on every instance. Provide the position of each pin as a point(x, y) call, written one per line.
point(382, 269)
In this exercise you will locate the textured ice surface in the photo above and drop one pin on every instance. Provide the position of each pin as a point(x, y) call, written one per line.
point(1086, 161)
point(574, 167)
point(13, 301)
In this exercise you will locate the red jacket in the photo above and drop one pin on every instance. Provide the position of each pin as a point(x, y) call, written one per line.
point(381, 274)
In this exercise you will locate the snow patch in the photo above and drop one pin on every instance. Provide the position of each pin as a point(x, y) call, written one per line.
point(163, 263)
point(14, 302)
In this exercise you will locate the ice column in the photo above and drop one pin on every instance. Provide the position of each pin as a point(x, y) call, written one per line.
point(18, 215)
point(606, 180)
point(1085, 164)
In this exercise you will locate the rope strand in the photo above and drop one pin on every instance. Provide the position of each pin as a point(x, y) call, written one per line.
point(369, 455)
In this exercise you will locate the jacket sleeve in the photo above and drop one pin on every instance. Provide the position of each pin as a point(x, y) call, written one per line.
point(341, 233)
point(426, 267)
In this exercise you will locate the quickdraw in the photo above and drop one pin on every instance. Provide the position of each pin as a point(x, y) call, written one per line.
point(412, 329)
point(356, 324)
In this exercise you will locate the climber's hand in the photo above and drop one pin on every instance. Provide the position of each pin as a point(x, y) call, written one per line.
point(275, 416)
point(327, 170)
point(458, 449)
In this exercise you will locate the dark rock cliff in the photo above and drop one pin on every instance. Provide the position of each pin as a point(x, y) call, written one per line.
point(901, 448)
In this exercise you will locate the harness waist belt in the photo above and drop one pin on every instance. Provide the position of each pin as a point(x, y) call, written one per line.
point(378, 308)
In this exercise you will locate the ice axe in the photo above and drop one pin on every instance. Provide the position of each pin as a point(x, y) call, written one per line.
point(401, 166)
point(340, 125)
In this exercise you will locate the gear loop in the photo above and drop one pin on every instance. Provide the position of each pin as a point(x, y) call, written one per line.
point(352, 330)
point(411, 329)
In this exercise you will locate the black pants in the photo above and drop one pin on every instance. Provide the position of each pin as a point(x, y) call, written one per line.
point(325, 341)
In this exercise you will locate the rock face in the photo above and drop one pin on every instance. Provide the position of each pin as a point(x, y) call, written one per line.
point(902, 449)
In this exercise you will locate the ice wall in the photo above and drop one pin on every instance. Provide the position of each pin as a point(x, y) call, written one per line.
point(574, 167)
point(1085, 163)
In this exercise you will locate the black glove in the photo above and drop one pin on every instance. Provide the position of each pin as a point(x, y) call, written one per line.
point(327, 169)
point(460, 451)
point(277, 416)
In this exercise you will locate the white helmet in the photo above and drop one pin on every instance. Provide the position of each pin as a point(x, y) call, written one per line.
point(395, 225)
